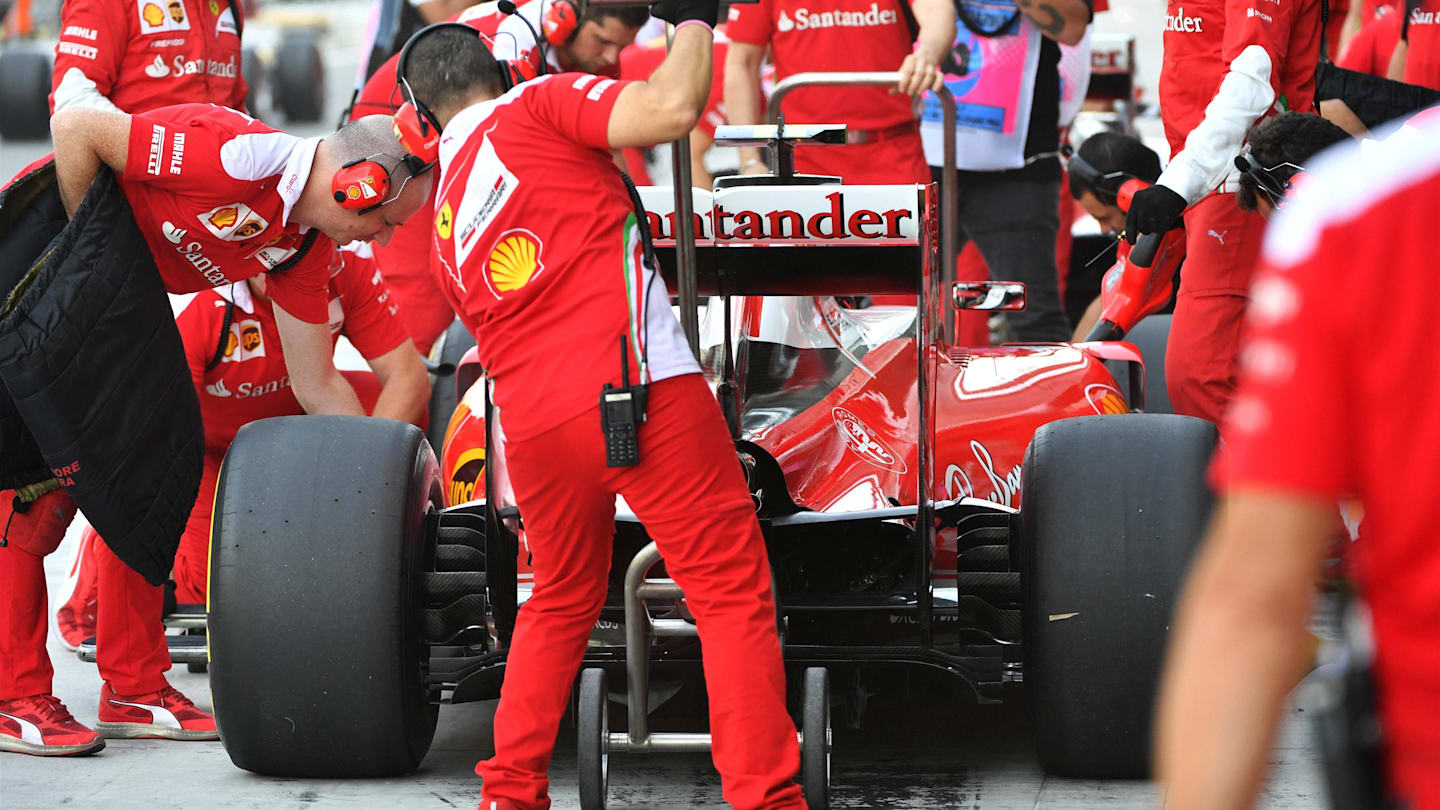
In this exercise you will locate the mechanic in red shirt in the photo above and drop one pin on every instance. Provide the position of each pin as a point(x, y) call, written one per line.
point(1228, 63)
point(564, 303)
point(238, 367)
point(1416, 59)
point(136, 55)
point(1316, 417)
point(219, 197)
point(1098, 175)
point(848, 35)
point(594, 47)
point(1369, 50)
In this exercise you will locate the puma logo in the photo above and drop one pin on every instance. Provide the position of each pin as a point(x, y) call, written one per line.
point(1219, 237)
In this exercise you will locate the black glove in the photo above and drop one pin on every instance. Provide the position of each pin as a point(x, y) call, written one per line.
point(1156, 209)
point(678, 11)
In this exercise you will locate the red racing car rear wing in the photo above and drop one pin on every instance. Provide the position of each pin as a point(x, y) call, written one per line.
point(825, 240)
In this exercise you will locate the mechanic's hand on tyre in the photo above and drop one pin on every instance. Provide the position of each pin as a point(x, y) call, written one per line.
point(678, 11)
point(918, 73)
point(1156, 209)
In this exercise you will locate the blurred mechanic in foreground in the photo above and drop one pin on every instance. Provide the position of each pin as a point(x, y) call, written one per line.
point(238, 368)
point(218, 197)
point(1003, 69)
point(1107, 167)
point(593, 45)
point(136, 55)
point(911, 36)
point(1317, 414)
point(1223, 71)
point(524, 255)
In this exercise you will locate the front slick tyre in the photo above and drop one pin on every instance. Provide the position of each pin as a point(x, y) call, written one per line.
point(1114, 507)
point(317, 661)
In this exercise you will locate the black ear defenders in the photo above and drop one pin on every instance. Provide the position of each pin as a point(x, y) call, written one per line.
point(1104, 185)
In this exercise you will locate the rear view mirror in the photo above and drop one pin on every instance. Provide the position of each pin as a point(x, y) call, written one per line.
point(988, 295)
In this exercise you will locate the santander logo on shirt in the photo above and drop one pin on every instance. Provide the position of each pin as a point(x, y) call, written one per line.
point(805, 19)
point(1178, 22)
point(191, 251)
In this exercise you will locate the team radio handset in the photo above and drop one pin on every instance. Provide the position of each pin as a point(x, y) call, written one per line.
point(621, 412)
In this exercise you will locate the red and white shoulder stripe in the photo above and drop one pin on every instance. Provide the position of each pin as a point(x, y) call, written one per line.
point(1348, 180)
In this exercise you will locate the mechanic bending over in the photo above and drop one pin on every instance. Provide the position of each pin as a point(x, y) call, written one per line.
point(238, 369)
point(592, 46)
point(619, 376)
point(1318, 415)
point(1277, 150)
point(1222, 71)
point(218, 197)
point(911, 36)
point(124, 56)
point(1003, 67)
point(1099, 172)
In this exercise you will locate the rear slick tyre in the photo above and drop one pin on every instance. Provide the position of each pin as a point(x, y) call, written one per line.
point(317, 659)
point(1114, 508)
point(815, 738)
point(593, 740)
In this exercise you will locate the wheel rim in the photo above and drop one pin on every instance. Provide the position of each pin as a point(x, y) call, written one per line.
point(604, 743)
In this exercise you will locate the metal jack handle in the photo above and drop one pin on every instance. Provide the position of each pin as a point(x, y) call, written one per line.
point(949, 189)
point(640, 629)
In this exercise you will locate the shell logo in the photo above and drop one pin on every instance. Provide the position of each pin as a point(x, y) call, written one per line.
point(153, 15)
point(1106, 400)
point(514, 260)
point(224, 217)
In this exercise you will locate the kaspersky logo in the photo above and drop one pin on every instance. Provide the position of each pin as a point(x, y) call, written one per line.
point(1180, 23)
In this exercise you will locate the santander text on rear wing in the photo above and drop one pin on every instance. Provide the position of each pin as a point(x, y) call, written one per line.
point(803, 239)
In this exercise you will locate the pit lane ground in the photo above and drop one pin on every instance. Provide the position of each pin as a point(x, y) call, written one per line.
point(919, 748)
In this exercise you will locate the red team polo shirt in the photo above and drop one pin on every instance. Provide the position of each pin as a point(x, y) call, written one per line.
point(211, 190)
point(1370, 50)
point(836, 35)
point(142, 54)
point(540, 252)
point(1196, 30)
point(251, 382)
point(1422, 58)
point(1330, 400)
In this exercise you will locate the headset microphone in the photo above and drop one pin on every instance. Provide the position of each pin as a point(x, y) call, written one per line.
point(543, 43)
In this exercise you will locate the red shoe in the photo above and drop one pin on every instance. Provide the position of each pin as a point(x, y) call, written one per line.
point(166, 714)
point(75, 620)
point(41, 725)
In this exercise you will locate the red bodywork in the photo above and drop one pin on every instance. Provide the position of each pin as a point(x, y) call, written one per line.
point(831, 393)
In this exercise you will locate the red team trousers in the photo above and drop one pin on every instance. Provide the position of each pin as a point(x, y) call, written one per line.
point(689, 492)
point(1201, 359)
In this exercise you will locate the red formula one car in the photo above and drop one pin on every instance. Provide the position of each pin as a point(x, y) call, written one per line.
point(998, 514)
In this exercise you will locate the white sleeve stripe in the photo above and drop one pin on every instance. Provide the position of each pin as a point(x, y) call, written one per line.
point(1348, 180)
point(1210, 148)
point(78, 90)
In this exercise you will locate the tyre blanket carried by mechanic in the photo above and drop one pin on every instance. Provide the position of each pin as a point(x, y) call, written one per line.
point(93, 367)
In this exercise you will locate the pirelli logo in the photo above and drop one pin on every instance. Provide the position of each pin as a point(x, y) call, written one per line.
point(157, 149)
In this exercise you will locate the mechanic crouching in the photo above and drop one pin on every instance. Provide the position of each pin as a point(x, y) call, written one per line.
point(94, 370)
point(597, 391)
